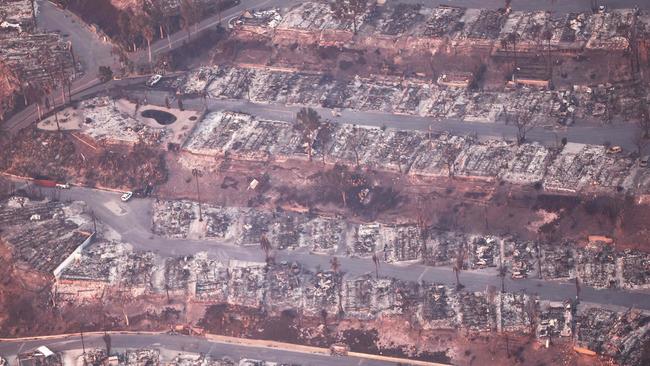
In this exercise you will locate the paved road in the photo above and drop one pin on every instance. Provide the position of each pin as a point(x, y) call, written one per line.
point(93, 52)
point(184, 344)
point(134, 227)
point(556, 6)
point(620, 133)
point(87, 47)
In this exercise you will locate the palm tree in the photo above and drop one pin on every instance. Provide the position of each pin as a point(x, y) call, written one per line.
point(458, 266)
point(107, 342)
point(147, 33)
point(503, 270)
point(349, 10)
point(338, 178)
point(335, 265)
point(308, 122)
point(188, 14)
point(266, 247)
point(375, 260)
point(547, 35)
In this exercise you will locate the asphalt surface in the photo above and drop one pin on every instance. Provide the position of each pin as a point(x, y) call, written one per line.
point(555, 6)
point(183, 344)
point(88, 49)
point(93, 52)
point(133, 223)
point(618, 133)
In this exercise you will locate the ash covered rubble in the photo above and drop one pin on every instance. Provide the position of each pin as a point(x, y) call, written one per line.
point(20, 46)
point(277, 287)
point(173, 218)
point(522, 257)
point(573, 168)
point(555, 320)
point(620, 335)
point(596, 265)
point(142, 357)
point(43, 234)
point(585, 167)
point(443, 26)
point(314, 16)
point(112, 122)
point(392, 95)
point(168, 357)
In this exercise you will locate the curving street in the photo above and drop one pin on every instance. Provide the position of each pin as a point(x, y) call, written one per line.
point(184, 344)
point(134, 223)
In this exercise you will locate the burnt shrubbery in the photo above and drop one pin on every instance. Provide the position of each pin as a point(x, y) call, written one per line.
point(354, 191)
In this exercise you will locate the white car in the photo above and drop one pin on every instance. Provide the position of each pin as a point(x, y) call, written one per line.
point(126, 196)
point(63, 185)
point(155, 79)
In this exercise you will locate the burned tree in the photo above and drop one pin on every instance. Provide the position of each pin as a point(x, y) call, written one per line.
point(55, 69)
point(522, 121)
point(349, 10)
point(146, 27)
point(459, 264)
point(105, 74)
point(190, 14)
point(325, 137)
point(107, 343)
point(266, 247)
point(503, 270)
point(641, 142)
point(338, 179)
point(335, 265)
point(547, 35)
point(644, 121)
point(530, 308)
point(308, 122)
point(449, 157)
point(375, 260)
point(197, 174)
point(512, 39)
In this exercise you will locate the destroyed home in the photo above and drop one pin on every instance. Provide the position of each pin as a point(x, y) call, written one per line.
point(31, 62)
point(615, 334)
point(577, 167)
point(44, 235)
point(555, 320)
point(365, 263)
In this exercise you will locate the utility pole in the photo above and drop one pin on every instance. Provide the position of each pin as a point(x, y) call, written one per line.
point(197, 173)
point(83, 346)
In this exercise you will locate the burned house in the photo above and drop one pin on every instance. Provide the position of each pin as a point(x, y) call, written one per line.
point(43, 235)
point(618, 335)
point(436, 308)
point(555, 320)
point(322, 292)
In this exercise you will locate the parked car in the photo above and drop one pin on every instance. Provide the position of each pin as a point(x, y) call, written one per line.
point(126, 196)
point(153, 80)
point(614, 150)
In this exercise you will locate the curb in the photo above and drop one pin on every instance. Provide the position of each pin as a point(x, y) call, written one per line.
point(254, 343)
point(73, 184)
